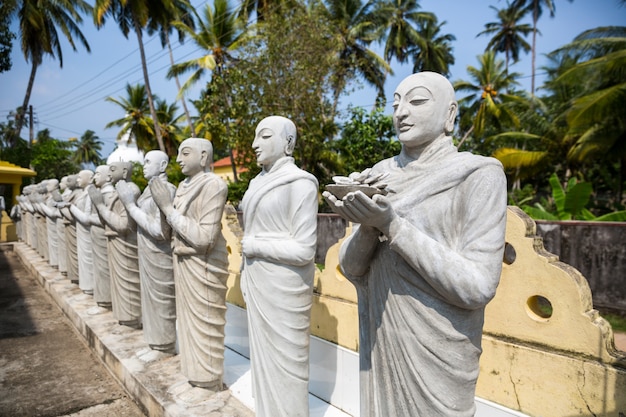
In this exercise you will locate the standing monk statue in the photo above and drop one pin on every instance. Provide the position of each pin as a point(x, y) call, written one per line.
point(121, 231)
point(154, 245)
point(425, 260)
point(200, 262)
point(50, 211)
point(280, 236)
point(102, 274)
point(37, 198)
point(80, 210)
point(60, 221)
point(70, 228)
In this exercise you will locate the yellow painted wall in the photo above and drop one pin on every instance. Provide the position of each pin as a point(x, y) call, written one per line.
point(558, 366)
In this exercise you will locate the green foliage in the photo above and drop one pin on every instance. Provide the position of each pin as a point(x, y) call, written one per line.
point(508, 33)
point(51, 158)
point(284, 69)
point(236, 190)
point(137, 176)
point(87, 149)
point(174, 173)
point(136, 121)
point(366, 138)
point(6, 37)
point(519, 197)
point(489, 102)
point(434, 53)
point(618, 321)
point(18, 153)
point(570, 203)
point(42, 26)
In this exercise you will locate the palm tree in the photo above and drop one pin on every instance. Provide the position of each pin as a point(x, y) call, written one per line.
point(537, 8)
point(218, 33)
point(435, 53)
point(487, 102)
point(87, 150)
point(263, 8)
point(169, 123)
point(596, 118)
point(402, 18)
point(162, 23)
point(39, 25)
point(6, 36)
point(356, 28)
point(135, 14)
point(508, 33)
point(136, 120)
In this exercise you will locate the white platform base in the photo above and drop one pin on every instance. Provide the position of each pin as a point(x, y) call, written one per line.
point(334, 378)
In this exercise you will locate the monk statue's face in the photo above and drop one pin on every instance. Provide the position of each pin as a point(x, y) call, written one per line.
point(72, 182)
point(84, 178)
point(102, 175)
point(190, 160)
point(119, 171)
point(423, 106)
point(154, 164)
point(272, 140)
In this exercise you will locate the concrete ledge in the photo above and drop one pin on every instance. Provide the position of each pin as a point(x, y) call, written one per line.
point(155, 384)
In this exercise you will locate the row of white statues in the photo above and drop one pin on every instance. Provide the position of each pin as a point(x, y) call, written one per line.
point(425, 256)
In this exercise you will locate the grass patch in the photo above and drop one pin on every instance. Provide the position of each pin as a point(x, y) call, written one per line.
point(618, 322)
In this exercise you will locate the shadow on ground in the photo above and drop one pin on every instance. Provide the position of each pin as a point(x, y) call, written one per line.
point(45, 369)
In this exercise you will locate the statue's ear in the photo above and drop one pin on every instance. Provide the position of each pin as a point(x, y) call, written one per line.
point(204, 159)
point(163, 165)
point(290, 145)
point(451, 117)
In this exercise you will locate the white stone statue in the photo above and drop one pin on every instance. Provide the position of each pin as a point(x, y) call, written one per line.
point(280, 236)
point(121, 232)
point(425, 260)
point(81, 210)
point(37, 198)
point(200, 262)
point(154, 245)
point(16, 218)
point(51, 214)
point(24, 202)
point(25, 215)
point(61, 196)
point(70, 228)
point(102, 275)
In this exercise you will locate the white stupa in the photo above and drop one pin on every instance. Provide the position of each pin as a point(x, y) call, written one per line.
point(126, 150)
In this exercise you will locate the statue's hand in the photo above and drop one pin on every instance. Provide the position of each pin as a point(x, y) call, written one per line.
point(247, 248)
point(95, 195)
point(56, 196)
point(161, 195)
point(126, 193)
point(359, 208)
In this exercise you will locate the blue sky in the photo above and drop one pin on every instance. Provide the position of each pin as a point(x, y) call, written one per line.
point(70, 100)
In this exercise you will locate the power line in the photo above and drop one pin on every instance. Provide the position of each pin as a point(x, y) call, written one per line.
point(76, 101)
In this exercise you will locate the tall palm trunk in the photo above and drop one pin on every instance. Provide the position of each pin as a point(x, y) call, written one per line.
point(182, 97)
point(21, 116)
point(144, 67)
point(534, 47)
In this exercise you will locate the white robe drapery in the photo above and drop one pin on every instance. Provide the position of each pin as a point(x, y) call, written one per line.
point(421, 302)
point(280, 225)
